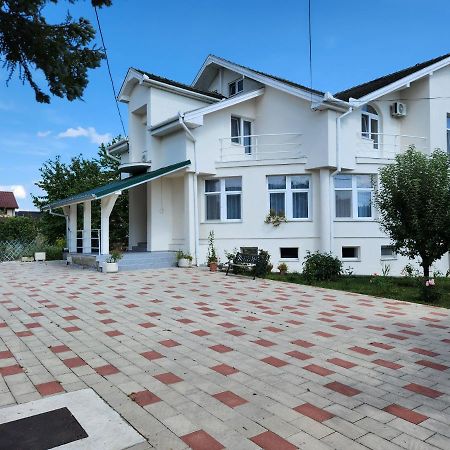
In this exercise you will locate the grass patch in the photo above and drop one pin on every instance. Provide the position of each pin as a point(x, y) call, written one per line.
point(399, 288)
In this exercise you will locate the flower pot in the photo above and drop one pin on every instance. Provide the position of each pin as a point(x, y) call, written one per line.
point(39, 256)
point(27, 259)
point(184, 262)
point(213, 266)
point(110, 267)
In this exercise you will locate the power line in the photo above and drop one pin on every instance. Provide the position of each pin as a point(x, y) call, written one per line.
point(109, 71)
point(310, 49)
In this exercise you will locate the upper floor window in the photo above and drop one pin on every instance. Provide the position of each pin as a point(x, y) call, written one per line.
point(370, 124)
point(235, 87)
point(241, 133)
point(289, 195)
point(448, 134)
point(353, 196)
point(223, 199)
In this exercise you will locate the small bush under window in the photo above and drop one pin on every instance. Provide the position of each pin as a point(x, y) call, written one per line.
point(321, 266)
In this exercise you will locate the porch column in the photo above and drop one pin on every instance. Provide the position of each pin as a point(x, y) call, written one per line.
point(72, 228)
point(87, 227)
point(325, 213)
point(66, 211)
point(107, 204)
point(189, 213)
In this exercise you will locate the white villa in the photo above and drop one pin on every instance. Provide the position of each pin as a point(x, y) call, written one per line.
point(219, 154)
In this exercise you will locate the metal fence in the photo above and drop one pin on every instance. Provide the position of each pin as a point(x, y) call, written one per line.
point(14, 250)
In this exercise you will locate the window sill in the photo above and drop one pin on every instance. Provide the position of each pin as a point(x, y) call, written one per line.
point(388, 258)
point(221, 221)
point(289, 259)
point(354, 219)
point(351, 259)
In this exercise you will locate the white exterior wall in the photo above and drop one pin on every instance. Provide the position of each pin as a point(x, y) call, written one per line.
point(169, 202)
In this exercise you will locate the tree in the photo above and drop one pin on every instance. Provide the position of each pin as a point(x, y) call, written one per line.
point(60, 180)
point(61, 51)
point(414, 205)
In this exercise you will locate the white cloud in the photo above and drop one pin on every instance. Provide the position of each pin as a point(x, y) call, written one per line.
point(43, 134)
point(18, 189)
point(90, 133)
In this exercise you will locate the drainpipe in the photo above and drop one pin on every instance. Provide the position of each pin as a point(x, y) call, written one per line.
point(67, 223)
point(329, 97)
point(196, 230)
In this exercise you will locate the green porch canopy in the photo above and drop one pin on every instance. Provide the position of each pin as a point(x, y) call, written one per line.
point(116, 186)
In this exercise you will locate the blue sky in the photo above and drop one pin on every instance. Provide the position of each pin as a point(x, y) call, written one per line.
point(353, 41)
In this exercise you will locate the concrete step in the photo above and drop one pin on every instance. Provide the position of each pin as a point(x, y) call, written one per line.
point(147, 260)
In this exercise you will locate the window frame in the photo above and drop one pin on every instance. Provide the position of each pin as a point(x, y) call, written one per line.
point(235, 83)
point(354, 198)
point(297, 258)
point(240, 138)
point(367, 135)
point(223, 194)
point(387, 257)
point(288, 192)
point(354, 258)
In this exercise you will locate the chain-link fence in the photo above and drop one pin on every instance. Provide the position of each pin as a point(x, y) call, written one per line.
point(14, 250)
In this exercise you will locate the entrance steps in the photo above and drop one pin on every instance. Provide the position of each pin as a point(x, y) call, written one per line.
point(138, 260)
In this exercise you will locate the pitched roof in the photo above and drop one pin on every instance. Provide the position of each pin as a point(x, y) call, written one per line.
point(8, 200)
point(366, 88)
point(152, 76)
point(274, 77)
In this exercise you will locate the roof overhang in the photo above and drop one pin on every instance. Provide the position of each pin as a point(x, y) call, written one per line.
point(118, 147)
point(296, 91)
point(399, 84)
point(116, 187)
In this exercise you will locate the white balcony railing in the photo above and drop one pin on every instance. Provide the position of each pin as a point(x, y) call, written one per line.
point(385, 145)
point(259, 147)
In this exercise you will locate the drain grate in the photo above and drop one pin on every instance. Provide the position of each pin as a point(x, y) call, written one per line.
point(42, 431)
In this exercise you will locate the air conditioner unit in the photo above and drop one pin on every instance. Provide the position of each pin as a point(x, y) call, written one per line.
point(398, 109)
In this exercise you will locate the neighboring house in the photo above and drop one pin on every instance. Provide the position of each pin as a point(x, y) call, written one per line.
point(219, 154)
point(30, 214)
point(8, 204)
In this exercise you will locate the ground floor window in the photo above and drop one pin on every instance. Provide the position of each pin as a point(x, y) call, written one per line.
point(223, 199)
point(289, 195)
point(350, 253)
point(353, 196)
point(289, 252)
point(388, 252)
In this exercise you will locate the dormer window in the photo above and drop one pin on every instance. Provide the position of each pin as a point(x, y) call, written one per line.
point(235, 87)
point(370, 124)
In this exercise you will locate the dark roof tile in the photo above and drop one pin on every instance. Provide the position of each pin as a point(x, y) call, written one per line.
point(8, 200)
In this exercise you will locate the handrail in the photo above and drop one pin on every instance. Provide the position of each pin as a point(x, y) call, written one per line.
point(95, 236)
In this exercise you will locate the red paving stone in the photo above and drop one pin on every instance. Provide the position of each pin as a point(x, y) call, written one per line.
point(109, 369)
point(322, 371)
point(302, 343)
point(113, 333)
point(264, 343)
point(169, 343)
point(423, 351)
point(225, 369)
point(387, 364)
point(147, 325)
point(74, 362)
point(221, 348)
point(52, 387)
point(201, 440)
point(10, 370)
point(200, 333)
point(423, 390)
point(313, 412)
point(230, 399)
point(271, 441)
point(151, 355)
point(298, 355)
point(342, 363)
point(342, 389)
point(144, 398)
point(168, 378)
point(432, 365)
point(274, 361)
point(6, 354)
point(362, 351)
point(60, 349)
point(405, 413)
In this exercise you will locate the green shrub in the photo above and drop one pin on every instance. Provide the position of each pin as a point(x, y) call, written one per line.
point(21, 228)
point(52, 252)
point(263, 265)
point(321, 267)
point(429, 292)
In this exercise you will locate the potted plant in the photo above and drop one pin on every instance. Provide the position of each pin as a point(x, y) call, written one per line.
point(184, 259)
point(111, 264)
point(282, 268)
point(275, 219)
point(39, 256)
point(212, 253)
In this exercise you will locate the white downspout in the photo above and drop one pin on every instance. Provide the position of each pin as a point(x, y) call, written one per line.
point(196, 230)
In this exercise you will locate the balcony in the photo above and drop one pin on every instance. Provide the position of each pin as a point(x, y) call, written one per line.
point(261, 147)
point(386, 146)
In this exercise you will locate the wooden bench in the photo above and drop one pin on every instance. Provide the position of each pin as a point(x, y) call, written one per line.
point(244, 261)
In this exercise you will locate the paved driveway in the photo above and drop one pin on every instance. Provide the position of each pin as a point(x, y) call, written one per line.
point(191, 358)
